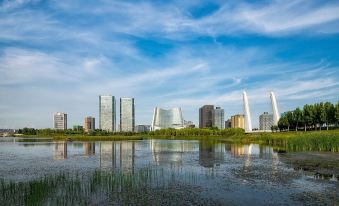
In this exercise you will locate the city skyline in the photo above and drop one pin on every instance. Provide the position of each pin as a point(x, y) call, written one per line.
point(171, 54)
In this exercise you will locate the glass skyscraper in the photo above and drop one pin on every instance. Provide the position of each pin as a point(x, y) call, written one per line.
point(218, 118)
point(127, 115)
point(107, 114)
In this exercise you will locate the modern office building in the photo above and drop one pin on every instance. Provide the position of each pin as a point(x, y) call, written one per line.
point(218, 118)
point(60, 121)
point(163, 119)
point(107, 113)
point(142, 128)
point(228, 123)
point(77, 127)
point(238, 121)
point(127, 114)
point(189, 124)
point(89, 124)
point(266, 121)
point(206, 116)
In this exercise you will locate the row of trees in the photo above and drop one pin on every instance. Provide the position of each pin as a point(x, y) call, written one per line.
point(311, 117)
point(53, 132)
point(197, 132)
point(161, 132)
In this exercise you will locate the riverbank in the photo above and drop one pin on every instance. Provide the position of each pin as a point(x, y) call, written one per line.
point(291, 141)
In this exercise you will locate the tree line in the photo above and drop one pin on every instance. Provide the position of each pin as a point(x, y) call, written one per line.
point(311, 117)
point(162, 132)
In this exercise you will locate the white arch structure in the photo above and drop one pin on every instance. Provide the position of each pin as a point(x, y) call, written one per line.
point(247, 113)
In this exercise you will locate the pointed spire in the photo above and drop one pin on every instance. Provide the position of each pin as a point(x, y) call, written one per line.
point(248, 121)
point(276, 115)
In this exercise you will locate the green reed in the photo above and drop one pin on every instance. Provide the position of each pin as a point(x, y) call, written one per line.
point(143, 187)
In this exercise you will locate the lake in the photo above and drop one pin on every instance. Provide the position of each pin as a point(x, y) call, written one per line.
point(158, 172)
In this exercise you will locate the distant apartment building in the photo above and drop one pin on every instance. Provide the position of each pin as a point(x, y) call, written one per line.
point(60, 121)
point(89, 124)
point(218, 118)
point(107, 113)
point(189, 124)
point(238, 121)
point(206, 116)
point(77, 127)
point(127, 114)
point(265, 121)
point(228, 124)
point(163, 119)
point(142, 128)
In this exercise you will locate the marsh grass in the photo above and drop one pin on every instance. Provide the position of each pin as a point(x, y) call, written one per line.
point(144, 187)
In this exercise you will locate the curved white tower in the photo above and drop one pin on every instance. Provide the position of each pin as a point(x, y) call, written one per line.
point(248, 121)
point(276, 115)
point(163, 119)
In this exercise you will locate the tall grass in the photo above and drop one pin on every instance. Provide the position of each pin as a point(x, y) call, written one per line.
point(144, 187)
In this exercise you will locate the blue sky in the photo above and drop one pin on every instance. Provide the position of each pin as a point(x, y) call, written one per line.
point(59, 56)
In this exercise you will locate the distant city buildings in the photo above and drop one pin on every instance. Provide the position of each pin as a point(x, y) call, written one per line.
point(163, 119)
point(89, 124)
point(77, 127)
point(218, 118)
point(60, 121)
point(189, 124)
point(127, 115)
point(238, 121)
point(228, 124)
point(266, 121)
point(142, 128)
point(107, 113)
point(206, 116)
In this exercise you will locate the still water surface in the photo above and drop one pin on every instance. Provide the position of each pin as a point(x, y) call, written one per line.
point(225, 173)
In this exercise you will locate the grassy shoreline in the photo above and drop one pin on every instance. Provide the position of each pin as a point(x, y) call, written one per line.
point(295, 141)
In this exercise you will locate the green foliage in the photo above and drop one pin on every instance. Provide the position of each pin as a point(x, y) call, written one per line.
point(310, 117)
point(197, 132)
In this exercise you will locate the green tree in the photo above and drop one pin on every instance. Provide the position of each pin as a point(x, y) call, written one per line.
point(336, 113)
point(298, 116)
point(283, 123)
point(309, 117)
point(330, 114)
point(319, 114)
point(290, 119)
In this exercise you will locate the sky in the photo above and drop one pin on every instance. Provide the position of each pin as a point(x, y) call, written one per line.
point(60, 55)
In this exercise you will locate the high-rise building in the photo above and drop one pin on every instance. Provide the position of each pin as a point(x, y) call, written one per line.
point(89, 123)
point(206, 116)
point(238, 121)
point(142, 128)
point(77, 127)
point(228, 123)
point(266, 121)
point(218, 118)
point(163, 119)
point(189, 124)
point(127, 116)
point(107, 114)
point(60, 120)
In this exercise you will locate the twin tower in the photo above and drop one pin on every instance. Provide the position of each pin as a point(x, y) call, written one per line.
point(247, 113)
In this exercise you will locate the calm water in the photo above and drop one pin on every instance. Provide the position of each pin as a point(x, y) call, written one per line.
point(224, 173)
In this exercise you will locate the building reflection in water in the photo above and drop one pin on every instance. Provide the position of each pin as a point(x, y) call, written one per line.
point(211, 154)
point(117, 155)
point(89, 148)
point(255, 150)
point(170, 152)
point(60, 150)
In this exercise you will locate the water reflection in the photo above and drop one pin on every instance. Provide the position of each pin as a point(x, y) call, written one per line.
point(211, 155)
point(170, 152)
point(117, 155)
point(89, 148)
point(60, 150)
